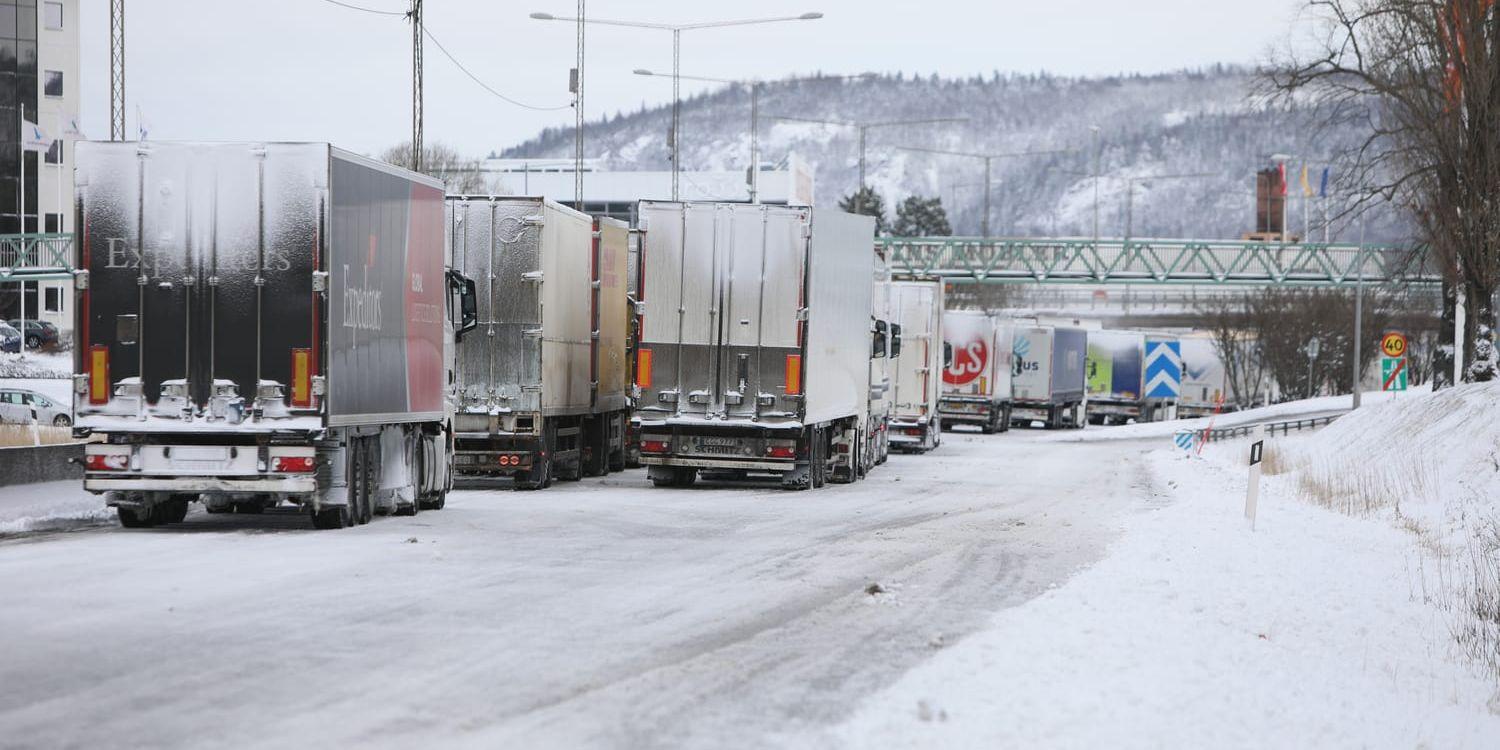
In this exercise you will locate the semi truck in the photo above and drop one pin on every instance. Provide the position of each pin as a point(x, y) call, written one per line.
point(1204, 384)
point(755, 342)
point(542, 385)
point(1116, 377)
point(1047, 376)
point(977, 383)
point(877, 440)
point(921, 356)
point(260, 323)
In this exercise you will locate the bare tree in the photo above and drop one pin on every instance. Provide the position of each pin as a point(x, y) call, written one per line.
point(1422, 77)
point(1233, 329)
point(460, 174)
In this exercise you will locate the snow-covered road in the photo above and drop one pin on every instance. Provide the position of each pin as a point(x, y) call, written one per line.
point(602, 613)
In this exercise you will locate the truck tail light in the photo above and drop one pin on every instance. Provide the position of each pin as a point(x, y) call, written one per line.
point(296, 464)
point(643, 368)
point(794, 374)
point(781, 451)
point(655, 446)
point(98, 374)
point(302, 378)
point(106, 461)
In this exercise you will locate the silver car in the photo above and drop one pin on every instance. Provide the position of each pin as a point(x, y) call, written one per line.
point(18, 406)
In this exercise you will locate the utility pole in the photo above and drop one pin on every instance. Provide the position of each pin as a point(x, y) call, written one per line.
point(416, 84)
point(1094, 129)
point(1359, 316)
point(117, 70)
point(578, 118)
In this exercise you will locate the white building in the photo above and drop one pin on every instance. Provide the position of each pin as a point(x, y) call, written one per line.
point(609, 193)
point(57, 106)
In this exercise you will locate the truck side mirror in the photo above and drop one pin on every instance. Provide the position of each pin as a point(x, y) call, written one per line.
point(947, 355)
point(877, 347)
point(895, 339)
point(467, 303)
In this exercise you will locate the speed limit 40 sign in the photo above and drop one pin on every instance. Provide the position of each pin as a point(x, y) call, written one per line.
point(1393, 345)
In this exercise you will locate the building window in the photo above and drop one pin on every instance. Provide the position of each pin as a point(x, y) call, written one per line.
point(54, 153)
point(53, 14)
point(53, 223)
point(54, 299)
point(53, 83)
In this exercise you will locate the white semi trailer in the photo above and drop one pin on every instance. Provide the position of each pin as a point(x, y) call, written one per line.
point(755, 342)
point(977, 383)
point(922, 354)
point(1048, 376)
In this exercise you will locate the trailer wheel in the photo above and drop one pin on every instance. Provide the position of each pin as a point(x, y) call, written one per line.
point(174, 510)
point(818, 456)
point(130, 518)
point(593, 454)
point(1004, 419)
point(333, 517)
point(617, 457)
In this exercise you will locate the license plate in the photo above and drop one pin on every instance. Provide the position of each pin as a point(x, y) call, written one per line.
point(199, 453)
point(719, 442)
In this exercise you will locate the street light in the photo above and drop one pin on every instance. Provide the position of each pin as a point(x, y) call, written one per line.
point(1130, 183)
point(988, 159)
point(863, 128)
point(1098, 146)
point(755, 85)
point(677, 30)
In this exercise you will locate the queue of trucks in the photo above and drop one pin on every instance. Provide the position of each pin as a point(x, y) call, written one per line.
point(271, 324)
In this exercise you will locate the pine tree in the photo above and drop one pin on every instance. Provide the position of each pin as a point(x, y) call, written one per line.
point(867, 202)
point(921, 217)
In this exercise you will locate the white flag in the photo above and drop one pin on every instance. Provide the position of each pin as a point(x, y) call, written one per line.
point(142, 130)
point(33, 138)
point(74, 128)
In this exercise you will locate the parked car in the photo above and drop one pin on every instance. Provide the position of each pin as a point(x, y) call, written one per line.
point(17, 406)
point(39, 333)
point(10, 339)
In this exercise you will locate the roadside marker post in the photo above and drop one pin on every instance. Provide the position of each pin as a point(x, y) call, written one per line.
point(1252, 488)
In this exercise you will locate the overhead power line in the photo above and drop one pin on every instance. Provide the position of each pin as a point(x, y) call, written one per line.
point(451, 58)
point(367, 10)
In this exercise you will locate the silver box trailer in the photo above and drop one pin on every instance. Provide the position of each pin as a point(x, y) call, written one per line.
point(921, 356)
point(542, 384)
point(977, 383)
point(260, 323)
point(1116, 364)
point(1048, 376)
point(755, 341)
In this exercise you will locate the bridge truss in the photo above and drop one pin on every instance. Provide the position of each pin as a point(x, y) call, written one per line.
point(1143, 261)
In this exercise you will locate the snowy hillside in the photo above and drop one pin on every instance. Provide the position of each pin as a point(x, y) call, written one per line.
point(1180, 123)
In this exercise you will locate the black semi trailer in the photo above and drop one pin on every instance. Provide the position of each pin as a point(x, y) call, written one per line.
point(260, 324)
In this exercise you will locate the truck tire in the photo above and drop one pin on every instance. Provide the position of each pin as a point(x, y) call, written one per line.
point(362, 480)
point(593, 454)
point(174, 510)
point(130, 518)
point(332, 517)
point(1004, 419)
point(818, 458)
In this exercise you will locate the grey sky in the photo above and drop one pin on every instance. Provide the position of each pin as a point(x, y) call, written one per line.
point(309, 70)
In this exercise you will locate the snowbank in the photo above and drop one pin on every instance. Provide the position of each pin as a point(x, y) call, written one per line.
point(36, 365)
point(1311, 630)
point(50, 506)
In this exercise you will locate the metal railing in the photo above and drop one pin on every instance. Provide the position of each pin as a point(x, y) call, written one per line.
point(32, 256)
point(1270, 428)
point(1149, 261)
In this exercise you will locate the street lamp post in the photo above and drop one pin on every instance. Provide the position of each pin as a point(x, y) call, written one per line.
point(1094, 132)
point(677, 30)
point(863, 128)
point(989, 159)
point(755, 85)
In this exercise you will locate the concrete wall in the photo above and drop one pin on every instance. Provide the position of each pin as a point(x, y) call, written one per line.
point(46, 463)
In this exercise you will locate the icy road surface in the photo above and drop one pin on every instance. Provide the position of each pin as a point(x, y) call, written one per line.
point(602, 613)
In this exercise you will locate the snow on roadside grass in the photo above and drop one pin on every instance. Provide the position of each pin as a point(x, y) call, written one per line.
point(1430, 465)
point(1196, 631)
point(34, 364)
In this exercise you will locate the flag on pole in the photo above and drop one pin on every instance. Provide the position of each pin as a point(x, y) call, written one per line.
point(33, 138)
point(141, 129)
point(73, 128)
point(1307, 190)
point(1323, 187)
point(1281, 174)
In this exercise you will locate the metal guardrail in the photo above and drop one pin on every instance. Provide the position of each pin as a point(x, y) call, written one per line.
point(1149, 261)
point(1271, 428)
point(36, 256)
